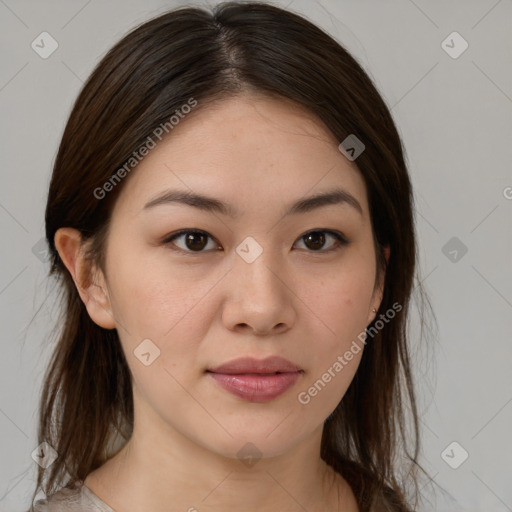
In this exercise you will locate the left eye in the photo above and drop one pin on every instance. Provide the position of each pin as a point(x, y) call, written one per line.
point(196, 240)
point(317, 239)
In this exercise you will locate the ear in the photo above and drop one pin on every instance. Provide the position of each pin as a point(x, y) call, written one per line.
point(89, 281)
point(378, 290)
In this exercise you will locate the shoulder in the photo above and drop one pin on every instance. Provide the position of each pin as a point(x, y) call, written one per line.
point(74, 498)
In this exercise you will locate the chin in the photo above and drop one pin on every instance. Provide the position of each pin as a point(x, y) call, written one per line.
point(249, 445)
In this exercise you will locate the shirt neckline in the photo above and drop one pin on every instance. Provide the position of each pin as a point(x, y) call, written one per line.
point(94, 498)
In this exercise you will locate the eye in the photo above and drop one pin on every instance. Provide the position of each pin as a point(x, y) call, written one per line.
point(315, 240)
point(196, 241)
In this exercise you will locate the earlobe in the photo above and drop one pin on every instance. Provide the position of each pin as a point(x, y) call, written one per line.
point(90, 282)
point(387, 252)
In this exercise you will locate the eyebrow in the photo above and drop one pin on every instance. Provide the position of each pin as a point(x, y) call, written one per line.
point(211, 204)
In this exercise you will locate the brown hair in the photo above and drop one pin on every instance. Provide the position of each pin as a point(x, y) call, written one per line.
point(189, 52)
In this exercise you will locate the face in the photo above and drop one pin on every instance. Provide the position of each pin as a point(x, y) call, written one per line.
point(205, 285)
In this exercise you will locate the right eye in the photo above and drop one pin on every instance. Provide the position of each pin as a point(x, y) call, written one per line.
point(193, 240)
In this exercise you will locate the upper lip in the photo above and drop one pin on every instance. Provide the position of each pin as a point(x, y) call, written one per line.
point(242, 365)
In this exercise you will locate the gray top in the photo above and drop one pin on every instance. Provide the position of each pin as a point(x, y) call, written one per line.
point(79, 498)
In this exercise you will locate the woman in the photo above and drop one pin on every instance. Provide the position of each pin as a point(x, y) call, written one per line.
point(230, 215)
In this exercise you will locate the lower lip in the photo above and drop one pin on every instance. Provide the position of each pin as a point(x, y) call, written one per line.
point(256, 388)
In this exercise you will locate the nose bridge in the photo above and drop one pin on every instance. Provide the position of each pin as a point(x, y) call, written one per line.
point(258, 267)
point(258, 297)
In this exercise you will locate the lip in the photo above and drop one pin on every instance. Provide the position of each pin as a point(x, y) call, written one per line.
point(256, 380)
point(270, 364)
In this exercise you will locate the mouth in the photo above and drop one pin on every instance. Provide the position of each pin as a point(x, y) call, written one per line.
point(256, 380)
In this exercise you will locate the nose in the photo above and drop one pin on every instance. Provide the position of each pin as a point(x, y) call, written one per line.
point(260, 298)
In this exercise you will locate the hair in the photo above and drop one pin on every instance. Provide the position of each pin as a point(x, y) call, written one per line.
point(86, 401)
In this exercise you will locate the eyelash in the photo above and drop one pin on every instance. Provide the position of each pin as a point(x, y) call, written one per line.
point(340, 238)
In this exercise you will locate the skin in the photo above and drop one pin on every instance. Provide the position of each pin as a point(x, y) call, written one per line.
point(205, 308)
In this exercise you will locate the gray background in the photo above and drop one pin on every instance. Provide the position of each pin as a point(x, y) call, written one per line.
point(454, 115)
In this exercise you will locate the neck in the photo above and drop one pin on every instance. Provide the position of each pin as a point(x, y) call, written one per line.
point(161, 469)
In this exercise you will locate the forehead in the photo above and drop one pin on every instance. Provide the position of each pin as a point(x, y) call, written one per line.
point(251, 150)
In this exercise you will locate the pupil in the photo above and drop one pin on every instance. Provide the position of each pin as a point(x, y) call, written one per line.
point(317, 238)
point(192, 241)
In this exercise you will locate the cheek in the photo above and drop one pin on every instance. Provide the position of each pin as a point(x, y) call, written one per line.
point(150, 295)
point(341, 309)
point(161, 306)
point(339, 305)
point(341, 301)
point(169, 304)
